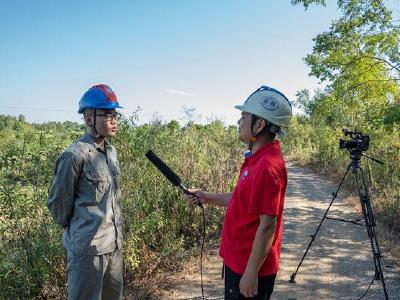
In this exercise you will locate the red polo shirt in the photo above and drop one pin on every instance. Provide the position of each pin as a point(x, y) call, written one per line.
point(260, 190)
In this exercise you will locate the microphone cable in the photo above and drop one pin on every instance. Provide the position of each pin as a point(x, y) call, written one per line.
point(201, 251)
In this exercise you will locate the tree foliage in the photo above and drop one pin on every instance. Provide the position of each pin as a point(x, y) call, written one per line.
point(306, 3)
point(159, 223)
point(358, 61)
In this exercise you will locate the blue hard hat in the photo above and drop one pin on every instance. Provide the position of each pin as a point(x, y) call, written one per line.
point(99, 96)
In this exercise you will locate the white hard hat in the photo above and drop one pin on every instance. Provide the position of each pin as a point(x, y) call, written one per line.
point(269, 104)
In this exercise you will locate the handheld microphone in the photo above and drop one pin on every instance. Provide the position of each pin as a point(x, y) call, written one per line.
point(168, 173)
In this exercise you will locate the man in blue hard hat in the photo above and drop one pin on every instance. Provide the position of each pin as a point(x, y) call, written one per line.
point(85, 199)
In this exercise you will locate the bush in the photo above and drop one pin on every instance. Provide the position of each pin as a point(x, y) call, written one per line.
point(158, 222)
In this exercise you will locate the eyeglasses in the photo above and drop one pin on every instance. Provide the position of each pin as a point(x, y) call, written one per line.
point(110, 116)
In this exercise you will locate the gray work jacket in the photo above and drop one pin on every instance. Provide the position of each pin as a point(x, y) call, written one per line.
point(85, 198)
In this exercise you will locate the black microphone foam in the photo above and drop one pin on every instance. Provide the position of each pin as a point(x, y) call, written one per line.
point(164, 169)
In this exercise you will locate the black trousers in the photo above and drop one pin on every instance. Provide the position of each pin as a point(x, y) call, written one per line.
point(232, 292)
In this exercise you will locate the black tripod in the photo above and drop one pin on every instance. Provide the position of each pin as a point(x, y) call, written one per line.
point(368, 215)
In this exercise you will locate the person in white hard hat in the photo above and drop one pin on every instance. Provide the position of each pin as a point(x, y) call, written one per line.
point(252, 229)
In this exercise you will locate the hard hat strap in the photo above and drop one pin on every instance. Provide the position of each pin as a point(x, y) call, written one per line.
point(94, 123)
point(253, 136)
point(271, 128)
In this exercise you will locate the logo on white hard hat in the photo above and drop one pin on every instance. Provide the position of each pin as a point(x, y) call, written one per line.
point(270, 103)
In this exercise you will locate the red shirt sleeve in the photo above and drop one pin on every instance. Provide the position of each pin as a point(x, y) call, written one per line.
point(265, 193)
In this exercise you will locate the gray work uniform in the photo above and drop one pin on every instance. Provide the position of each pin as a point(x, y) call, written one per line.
point(85, 199)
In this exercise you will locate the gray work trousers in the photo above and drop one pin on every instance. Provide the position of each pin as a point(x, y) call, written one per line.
point(95, 277)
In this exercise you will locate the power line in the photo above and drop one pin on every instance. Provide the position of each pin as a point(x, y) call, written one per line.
point(33, 108)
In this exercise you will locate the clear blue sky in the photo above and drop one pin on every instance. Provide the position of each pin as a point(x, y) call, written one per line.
point(159, 55)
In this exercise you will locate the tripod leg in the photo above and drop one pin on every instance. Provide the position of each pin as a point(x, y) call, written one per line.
point(369, 219)
point(334, 195)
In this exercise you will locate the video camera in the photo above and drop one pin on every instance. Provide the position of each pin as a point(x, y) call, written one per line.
point(358, 141)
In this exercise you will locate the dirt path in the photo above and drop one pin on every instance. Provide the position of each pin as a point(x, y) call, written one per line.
point(339, 264)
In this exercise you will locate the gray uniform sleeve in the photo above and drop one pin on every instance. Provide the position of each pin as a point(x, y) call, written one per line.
point(61, 195)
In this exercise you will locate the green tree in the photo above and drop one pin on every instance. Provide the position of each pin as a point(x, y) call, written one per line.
point(358, 61)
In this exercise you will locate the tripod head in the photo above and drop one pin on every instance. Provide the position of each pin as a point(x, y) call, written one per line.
point(358, 142)
point(356, 145)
